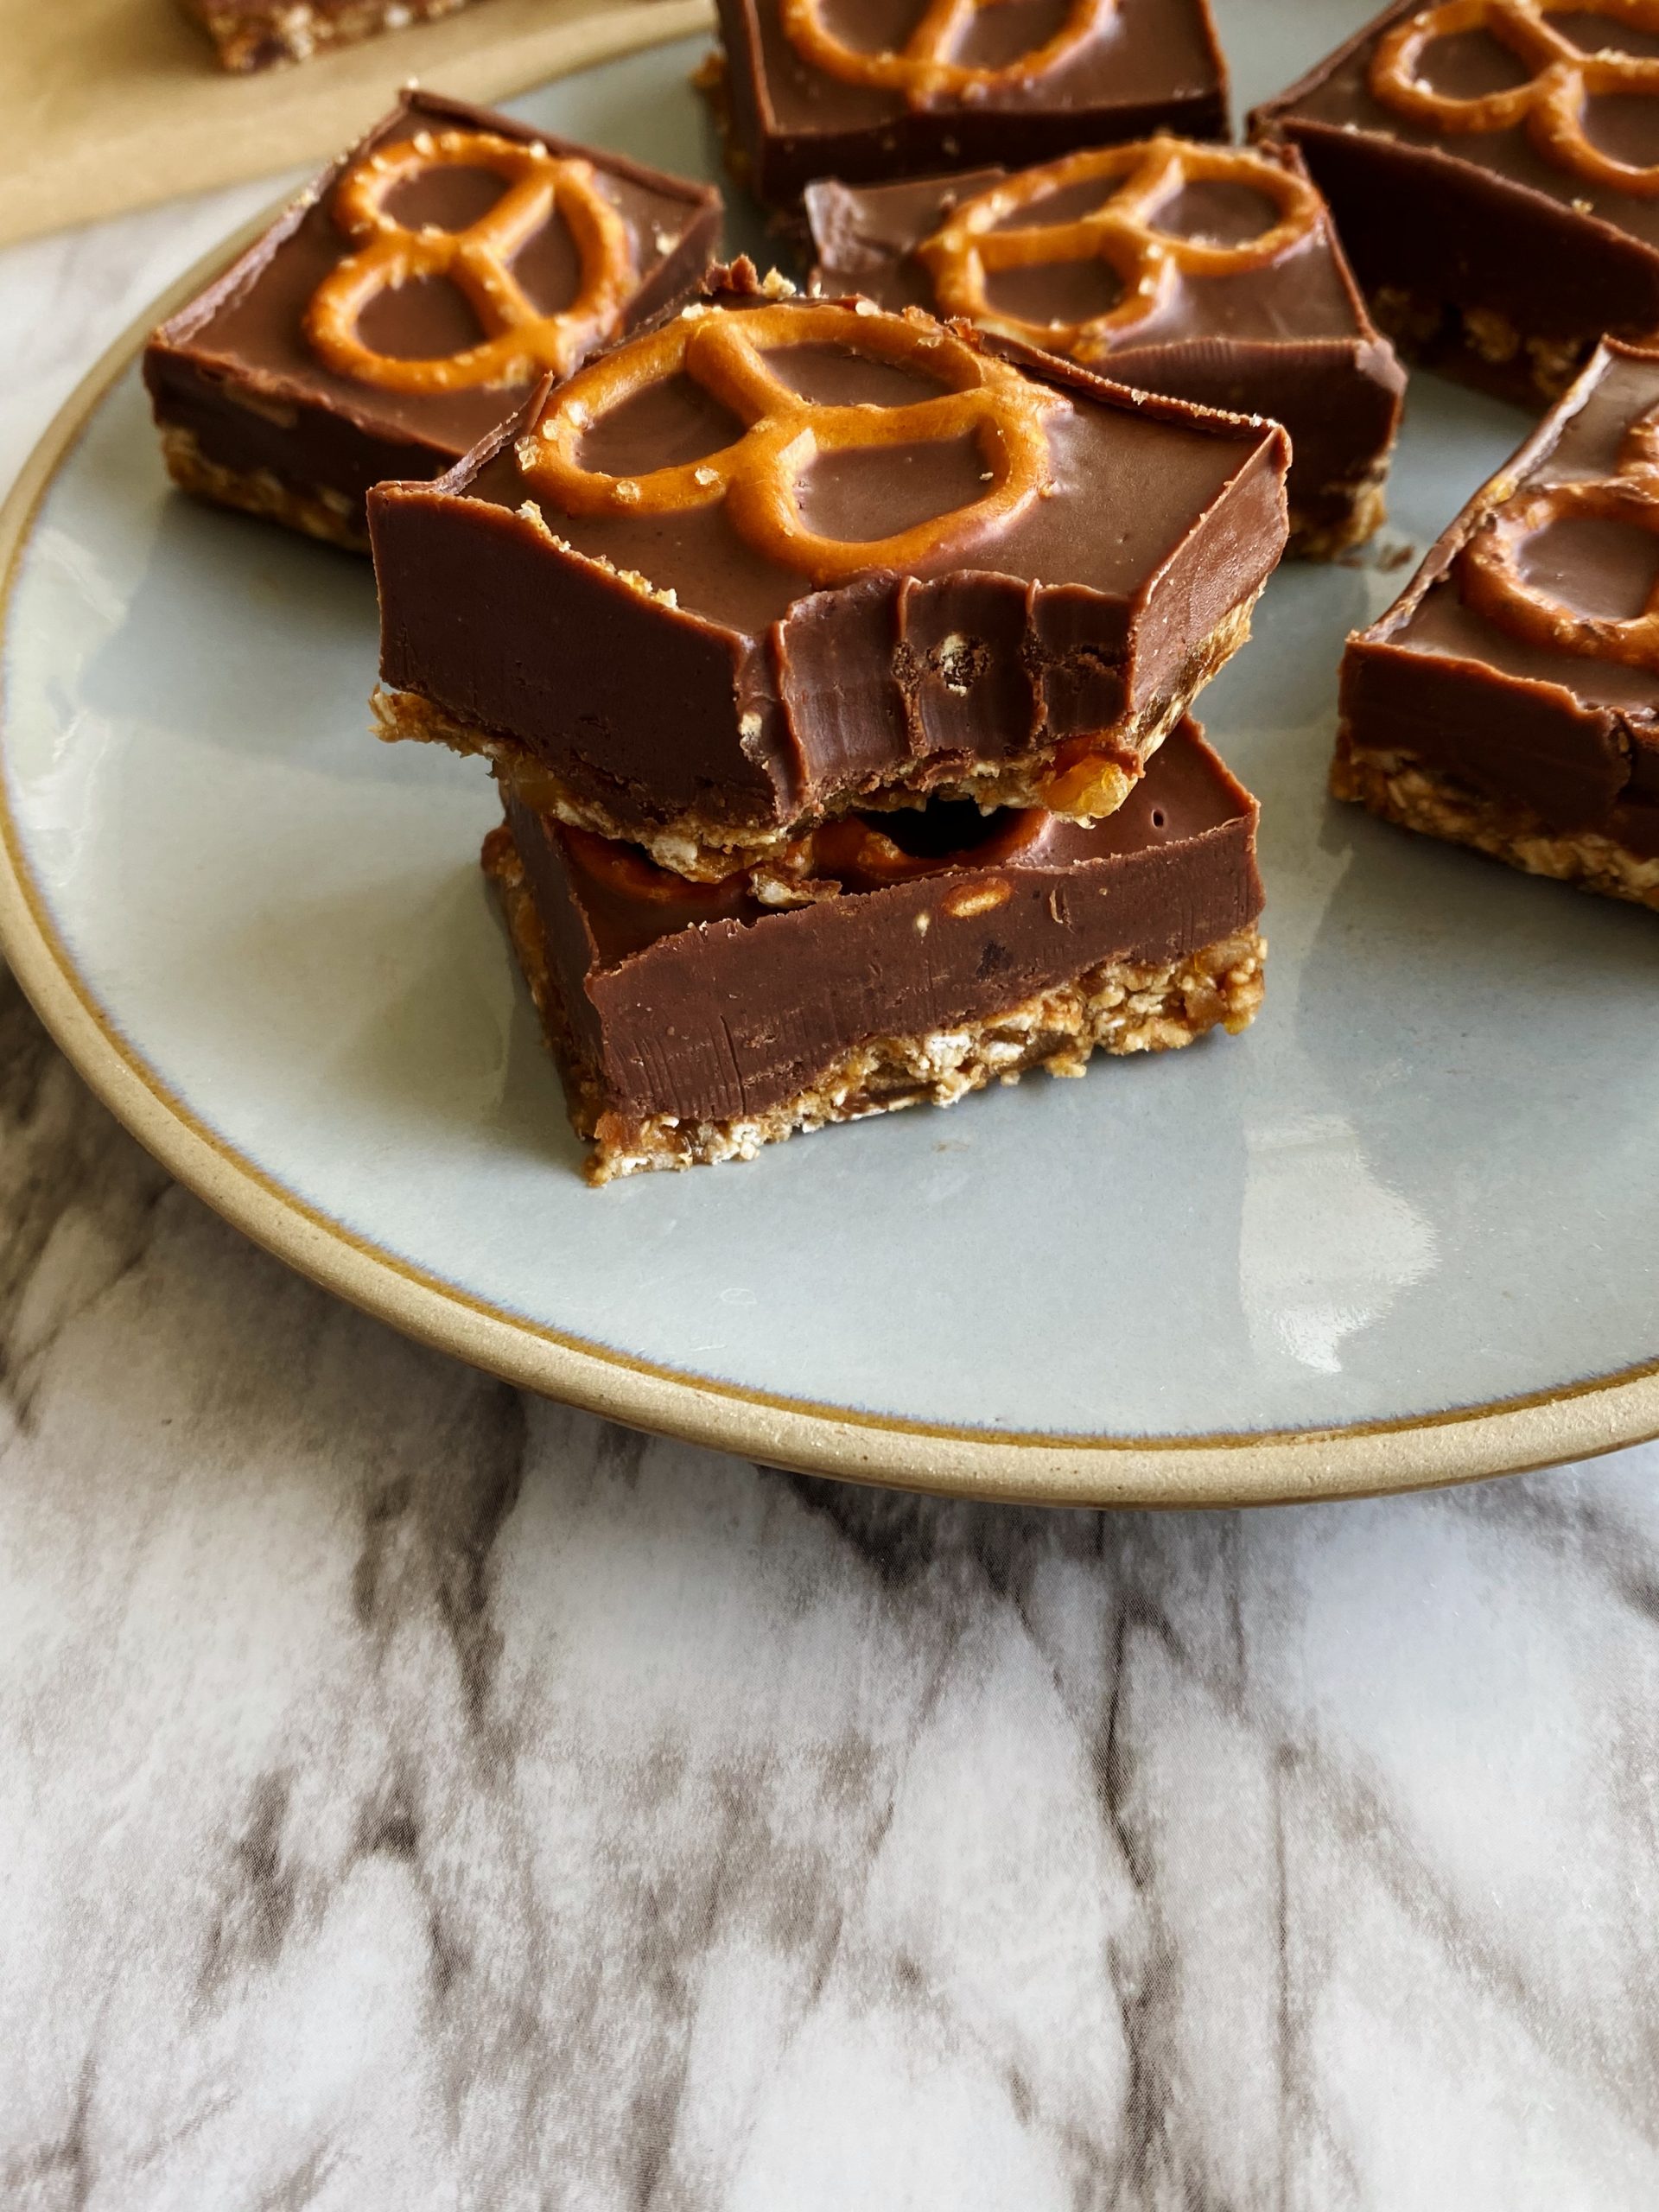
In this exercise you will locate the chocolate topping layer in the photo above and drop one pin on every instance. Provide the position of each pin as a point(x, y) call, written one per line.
point(710, 1005)
point(235, 368)
point(1481, 219)
point(754, 696)
point(1156, 63)
point(1291, 339)
point(1572, 736)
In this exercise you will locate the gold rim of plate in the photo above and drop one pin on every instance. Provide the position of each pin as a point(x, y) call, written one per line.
point(1574, 1420)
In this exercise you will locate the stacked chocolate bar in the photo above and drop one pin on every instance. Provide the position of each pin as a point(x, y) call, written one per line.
point(835, 662)
point(835, 665)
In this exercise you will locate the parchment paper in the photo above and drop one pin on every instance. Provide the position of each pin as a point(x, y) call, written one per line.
point(111, 104)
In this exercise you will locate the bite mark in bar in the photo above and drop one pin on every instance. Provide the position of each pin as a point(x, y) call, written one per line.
point(779, 559)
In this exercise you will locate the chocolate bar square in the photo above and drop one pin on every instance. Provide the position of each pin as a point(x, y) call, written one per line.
point(404, 306)
point(867, 90)
point(779, 558)
point(1509, 699)
point(1492, 170)
point(1209, 272)
point(927, 953)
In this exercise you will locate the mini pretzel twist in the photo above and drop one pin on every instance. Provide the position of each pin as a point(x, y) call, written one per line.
point(523, 341)
point(1551, 104)
point(1123, 231)
point(1492, 579)
point(758, 476)
point(922, 70)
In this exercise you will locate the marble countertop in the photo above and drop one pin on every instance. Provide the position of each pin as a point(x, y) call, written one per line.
point(413, 1794)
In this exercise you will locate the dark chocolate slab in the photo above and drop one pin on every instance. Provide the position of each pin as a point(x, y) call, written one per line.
point(1571, 735)
point(236, 369)
point(1154, 64)
point(1291, 339)
point(761, 698)
point(1483, 220)
point(710, 1005)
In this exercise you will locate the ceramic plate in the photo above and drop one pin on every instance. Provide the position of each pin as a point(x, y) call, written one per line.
point(1403, 1231)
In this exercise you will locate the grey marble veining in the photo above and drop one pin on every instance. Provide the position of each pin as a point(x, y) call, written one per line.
point(415, 1795)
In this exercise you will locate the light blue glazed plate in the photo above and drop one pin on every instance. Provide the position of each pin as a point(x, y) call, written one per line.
point(1404, 1230)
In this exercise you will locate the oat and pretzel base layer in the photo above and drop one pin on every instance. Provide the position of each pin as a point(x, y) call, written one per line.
point(318, 511)
point(1478, 345)
point(1399, 789)
point(1121, 1008)
point(293, 30)
point(1338, 517)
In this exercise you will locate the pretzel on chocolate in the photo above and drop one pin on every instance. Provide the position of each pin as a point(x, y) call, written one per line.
point(1492, 579)
point(922, 70)
point(523, 341)
point(1551, 103)
point(1123, 231)
point(758, 476)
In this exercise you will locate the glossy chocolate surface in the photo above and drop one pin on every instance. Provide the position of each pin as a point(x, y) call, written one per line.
point(1291, 340)
point(758, 696)
point(1157, 64)
point(1572, 736)
point(236, 368)
point(1481, 217)
point(713, 1005)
